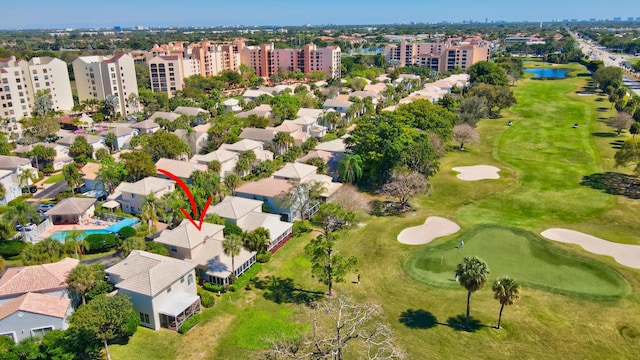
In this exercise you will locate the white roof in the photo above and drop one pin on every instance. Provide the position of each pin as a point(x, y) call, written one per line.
point(231, 102)
point(189, 110)
point(255, 93)
point(234, 208)
point(221, 155)
point(295, 171)
point(188, 236)
point(270, 222)
point(147, 185)
point(148, 274)
point(315, 113)
point(242, 145)
point(179, 168)
point(336, 145)
point(164, 115)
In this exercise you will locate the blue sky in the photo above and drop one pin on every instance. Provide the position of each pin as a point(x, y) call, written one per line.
point(27, 14)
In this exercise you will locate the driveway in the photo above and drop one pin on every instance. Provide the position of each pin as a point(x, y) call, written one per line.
point(51, 191)
point(107, 260)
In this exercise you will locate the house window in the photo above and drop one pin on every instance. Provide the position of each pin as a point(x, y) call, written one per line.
point(190, 279)
point(39, 332)
point(10, 335)
point(174, 249)
point(182, 280)
point(169, 289)
point(144, 318)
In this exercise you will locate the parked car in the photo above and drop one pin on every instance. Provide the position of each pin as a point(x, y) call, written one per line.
point(28, 227)
point(29, 189)
point(45, 207)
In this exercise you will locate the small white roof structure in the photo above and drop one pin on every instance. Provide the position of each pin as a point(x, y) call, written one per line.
point(314, 113)
point(234, 208)
point(295, 171)
point(111, 204)
point(221, 155)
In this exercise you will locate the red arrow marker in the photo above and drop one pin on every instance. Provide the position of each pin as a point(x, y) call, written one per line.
point(186, 190)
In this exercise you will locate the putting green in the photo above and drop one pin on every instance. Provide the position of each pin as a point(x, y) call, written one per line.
point(522, 256)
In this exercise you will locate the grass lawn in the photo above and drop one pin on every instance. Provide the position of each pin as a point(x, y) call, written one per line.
point(54, 179)
point(543, 162)
point(521, 255)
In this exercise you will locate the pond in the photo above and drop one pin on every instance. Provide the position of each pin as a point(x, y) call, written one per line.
point(548, 73)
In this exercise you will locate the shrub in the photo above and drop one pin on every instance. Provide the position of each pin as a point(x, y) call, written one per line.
point(301, 227)
point(156, 248)
point(206, 298)
point(99, 243)
point(213, 288)
point(263, 257)
point(11, 248)
point(383, 208)
point(190, 323)
point(126, 232)
point(231, 228)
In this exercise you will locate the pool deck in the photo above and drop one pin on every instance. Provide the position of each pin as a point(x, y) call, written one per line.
point(93, 225)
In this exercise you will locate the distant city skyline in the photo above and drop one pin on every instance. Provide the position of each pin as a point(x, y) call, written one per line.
point(46, 14)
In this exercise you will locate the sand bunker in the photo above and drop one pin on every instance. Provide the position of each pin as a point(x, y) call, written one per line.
point(628, 255)
point(477, 172)
point(434, 227)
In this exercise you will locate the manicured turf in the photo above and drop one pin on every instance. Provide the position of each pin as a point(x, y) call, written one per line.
point(54, 178)
point(520, 255)
point(532, 194)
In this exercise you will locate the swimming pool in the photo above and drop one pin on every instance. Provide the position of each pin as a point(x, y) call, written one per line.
point(122, 223)
point(61, 235)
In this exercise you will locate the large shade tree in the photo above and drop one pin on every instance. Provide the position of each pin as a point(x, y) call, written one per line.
point(327, 264)
point(105, 319)
point(473, 274)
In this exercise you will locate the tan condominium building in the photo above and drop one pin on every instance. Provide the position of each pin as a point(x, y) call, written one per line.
point(22, 81)
point(266, 60)
point(439, 56)
point(173, 62)
point(98, 77)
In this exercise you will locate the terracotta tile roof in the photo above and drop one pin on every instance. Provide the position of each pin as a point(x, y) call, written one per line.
point(37, 278)
point(90, 171)
point(269, 187)
point(37, 304)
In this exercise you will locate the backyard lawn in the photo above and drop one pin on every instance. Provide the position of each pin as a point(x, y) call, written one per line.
point(574, 304)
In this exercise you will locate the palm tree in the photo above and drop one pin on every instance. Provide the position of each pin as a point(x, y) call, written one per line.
point(283, 141)
point(473, 274)
point(507, 291)
point(81, 279)
point(110, 139)
point(232, 182)
point(2, 265)
point(72, 176)
point(3, 191)
point(171, 204)
point(231, 246)
point(262, 239)
point(150, 211)
point(22, 213)
point(74, 241)
point(243, 166)
point(350, 168)
point(332, 118)
point(26, 177)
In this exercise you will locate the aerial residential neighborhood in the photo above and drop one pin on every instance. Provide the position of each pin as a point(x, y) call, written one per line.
point(442, 182)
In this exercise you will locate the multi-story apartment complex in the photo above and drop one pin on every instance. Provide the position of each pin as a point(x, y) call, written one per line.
point(100, 76)
point(20, 83)
point(266, 60)
point(173, 62)
point(439, 56)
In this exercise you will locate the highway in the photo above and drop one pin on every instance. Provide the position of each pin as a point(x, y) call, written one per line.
point(596, 52)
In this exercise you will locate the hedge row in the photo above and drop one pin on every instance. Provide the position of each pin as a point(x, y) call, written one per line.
point(11, 248)
point(99, 243)
point(190, 323)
